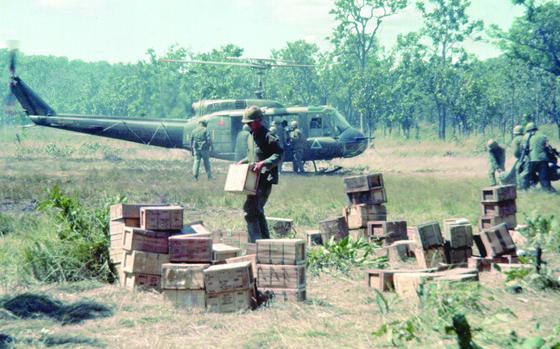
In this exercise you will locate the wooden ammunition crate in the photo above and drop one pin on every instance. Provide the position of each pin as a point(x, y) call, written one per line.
point(357, 216)
point(236, 238)
point(314, 238)
point(381, 279)
point(428, 235)
point(221, 252)
point(230, 302)
point(145, 240)
point(407, 284)
point(457, 255)
point(161, 218)
point(363, 182)
point(190, 249)
point(501, 208)
point(281, 251)
point(489, 222)
point(128, 211)
point(389, 230)
point(179, 276)
point(185, 299)
point(280, 276)
point(333, 227)
point(499, 193)
point(357, 234)
point(497, 241)
point(281, 227)
point(431, 257)
point(375, 196)
point(241, 179)
point(228, 277)
point(459, 235)
point(285, 294)
point(140, 281)
point(143, 262)
point(252, 258)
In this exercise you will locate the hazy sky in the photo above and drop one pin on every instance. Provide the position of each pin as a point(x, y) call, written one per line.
point(122, 30)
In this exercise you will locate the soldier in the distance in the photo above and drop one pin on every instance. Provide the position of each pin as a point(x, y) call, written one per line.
point(496, 160)
point(538, 157)
point(201, 145)
point(241, 142)
point(264, 153)
point(297, 144)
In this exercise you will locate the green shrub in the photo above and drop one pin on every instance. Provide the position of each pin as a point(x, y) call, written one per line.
point(80, 248)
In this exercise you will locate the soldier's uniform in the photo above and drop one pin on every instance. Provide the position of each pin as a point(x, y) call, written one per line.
point(201, 145)
point(517, 146)
point(496, 160)
point(241, 143)
point(538, 156)
point(263, 147)
point(297, 143)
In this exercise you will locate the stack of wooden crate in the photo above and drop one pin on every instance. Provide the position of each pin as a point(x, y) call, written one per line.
point(496, 247)
point(281, 269)
point(498, 206)
point(458, 234)
point(145, 249)
point(367, 197)
point(229, 287)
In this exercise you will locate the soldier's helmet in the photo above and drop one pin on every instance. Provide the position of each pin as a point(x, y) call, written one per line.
point(246, 128)
point(203, 123)
point(531, 127)
point(251, 114)
point(273, 130)
point(492, 144)
point(518, 130)
point(294, 124)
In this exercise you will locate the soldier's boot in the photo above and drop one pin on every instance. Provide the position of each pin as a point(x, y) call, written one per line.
point(254, 230)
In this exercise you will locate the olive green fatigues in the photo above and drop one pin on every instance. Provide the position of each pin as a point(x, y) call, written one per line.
point(538, 161)
point(201, 144)
point(297, 143)
point(261, 146)
point(496, 161)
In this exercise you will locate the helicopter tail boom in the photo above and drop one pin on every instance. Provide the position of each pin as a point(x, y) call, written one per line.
point(29, 100)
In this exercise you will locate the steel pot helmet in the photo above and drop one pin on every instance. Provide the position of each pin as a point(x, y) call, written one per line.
point(518, 130)
point(531, 127)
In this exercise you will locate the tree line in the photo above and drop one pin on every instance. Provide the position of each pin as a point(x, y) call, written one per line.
point(428, 77)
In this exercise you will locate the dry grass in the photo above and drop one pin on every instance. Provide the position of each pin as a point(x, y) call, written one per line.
point(425, 181)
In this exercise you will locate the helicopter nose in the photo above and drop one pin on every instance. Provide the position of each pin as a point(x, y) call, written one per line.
point(353, 142)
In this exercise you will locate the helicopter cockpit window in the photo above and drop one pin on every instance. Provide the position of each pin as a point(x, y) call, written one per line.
point(338, 121)
point(316, 123)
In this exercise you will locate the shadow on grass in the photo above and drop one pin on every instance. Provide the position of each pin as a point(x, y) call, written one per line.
point(29, 305)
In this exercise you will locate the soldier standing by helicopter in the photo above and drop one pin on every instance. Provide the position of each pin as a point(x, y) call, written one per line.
point(201, 145)
point(264, 152)
point(241, 143)
point(297, 145)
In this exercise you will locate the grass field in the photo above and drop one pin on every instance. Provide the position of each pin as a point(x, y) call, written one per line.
point(424, 180)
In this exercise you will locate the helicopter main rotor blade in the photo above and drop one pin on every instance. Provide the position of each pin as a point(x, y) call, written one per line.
point(250, 65)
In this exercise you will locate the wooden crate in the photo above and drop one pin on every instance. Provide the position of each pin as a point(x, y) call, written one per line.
point(280, 251)
point(241, 179)
point(407, 284)
point(499, 193)
point(228, 277)
point(252, 258)
point(485, 263)
point(127, 211)
point(357, 234)
point(230, 302)
point(497, 241)
point(428, 235)
point(375, 196)
point(190, 249)
point(459, 235)
point(357, 216)
point(143, 262)
point(236, 238)
point(185, 299)
point(161, 218)
point(285, 294)
point(140, 281)
point(398, 252)
point(280, 276)
point(431, 257)
point(489, 222)
point(387, 230)
point(145, 240)
point(314, 238)
point(180, 276)
point(281, 227)
point(363, 183)
point(381, 279)
point(457, 255)
point(221, 252)
point(196, 228)
point(497, 209)
point(333, 227)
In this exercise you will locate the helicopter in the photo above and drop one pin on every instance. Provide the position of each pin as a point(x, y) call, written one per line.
point(328, 133)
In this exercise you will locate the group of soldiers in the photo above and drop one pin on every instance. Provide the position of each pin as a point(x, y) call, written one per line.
point(536, 160)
